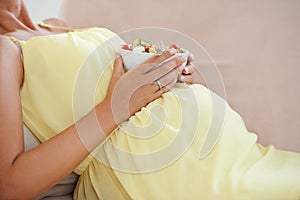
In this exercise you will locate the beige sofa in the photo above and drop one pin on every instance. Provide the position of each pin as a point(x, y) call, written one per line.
point(255, 45)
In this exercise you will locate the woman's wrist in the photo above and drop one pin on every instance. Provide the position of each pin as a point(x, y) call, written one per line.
point(105, 116)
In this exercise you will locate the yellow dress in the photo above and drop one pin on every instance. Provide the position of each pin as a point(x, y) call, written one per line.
point(188, 144)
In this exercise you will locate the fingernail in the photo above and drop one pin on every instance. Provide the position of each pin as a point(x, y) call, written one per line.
point(117, 54)
point(185, 70)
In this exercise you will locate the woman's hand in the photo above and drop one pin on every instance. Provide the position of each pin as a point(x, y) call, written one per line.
point(190, 73)
point(129, 92)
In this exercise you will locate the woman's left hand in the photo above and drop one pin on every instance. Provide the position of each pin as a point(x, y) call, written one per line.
point(190, 73)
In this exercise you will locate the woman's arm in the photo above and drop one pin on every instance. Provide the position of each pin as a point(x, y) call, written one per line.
point(25, 175)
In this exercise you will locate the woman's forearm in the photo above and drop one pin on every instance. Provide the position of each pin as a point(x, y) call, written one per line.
point(37, 170)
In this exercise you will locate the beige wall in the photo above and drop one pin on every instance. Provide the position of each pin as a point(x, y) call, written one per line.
point(254, 43)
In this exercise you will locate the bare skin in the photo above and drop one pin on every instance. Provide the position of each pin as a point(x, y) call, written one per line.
point(25, 175)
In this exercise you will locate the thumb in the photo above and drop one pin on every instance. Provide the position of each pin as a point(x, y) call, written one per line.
point(118, 65)
point(117, 72)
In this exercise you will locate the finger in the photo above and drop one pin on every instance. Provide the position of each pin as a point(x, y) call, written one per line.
point(165, 80)
point(155, 60)
point(154, 86)
point(165, 89)
point(118, 65)
point(180, 68)
point(189, 69)
point(168, 78)
point(181, 78)
point(165, 68)
point(191, 58)
point(186, 79)
point(117, 73)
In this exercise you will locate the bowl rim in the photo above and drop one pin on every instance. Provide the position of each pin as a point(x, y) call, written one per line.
point(146, 53)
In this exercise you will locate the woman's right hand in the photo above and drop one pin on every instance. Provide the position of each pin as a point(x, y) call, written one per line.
point(129, 92)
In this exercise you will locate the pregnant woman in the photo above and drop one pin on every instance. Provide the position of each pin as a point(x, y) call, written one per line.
point(127, 135)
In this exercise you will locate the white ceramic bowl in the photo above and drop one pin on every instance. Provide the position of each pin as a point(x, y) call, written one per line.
point(133, 58)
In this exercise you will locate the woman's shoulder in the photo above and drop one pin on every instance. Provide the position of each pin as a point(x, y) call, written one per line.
point(7, 46)
point(10, 60)
point(4, 41)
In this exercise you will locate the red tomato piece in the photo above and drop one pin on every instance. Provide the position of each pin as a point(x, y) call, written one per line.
point(126, 47)
point(175, 46)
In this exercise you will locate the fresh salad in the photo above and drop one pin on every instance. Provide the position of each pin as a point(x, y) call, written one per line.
point(144, 46)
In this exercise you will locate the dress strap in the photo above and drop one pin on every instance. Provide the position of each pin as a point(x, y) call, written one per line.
point(42, 24)
point(12, 38)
